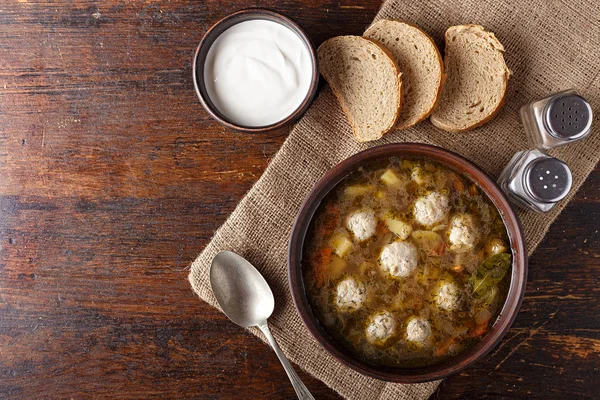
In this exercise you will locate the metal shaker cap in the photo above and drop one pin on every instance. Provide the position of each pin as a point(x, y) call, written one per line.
point(568, 116)
point(548, 179)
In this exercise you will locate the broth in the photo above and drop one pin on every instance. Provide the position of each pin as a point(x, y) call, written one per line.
point(406, 263)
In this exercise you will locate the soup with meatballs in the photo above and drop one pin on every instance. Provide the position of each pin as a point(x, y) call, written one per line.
point(406, 263)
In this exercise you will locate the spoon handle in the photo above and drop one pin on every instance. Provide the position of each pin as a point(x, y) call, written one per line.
point(301, 390)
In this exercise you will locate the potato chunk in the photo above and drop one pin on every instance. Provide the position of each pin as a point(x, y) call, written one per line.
point(495, 246)
point(428, 240)
point(357, 190)
point(399, 228)
point(337, 267)
point(390, 178)
point(341, 244)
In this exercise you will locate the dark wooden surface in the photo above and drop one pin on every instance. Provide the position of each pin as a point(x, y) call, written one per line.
point(113, 178)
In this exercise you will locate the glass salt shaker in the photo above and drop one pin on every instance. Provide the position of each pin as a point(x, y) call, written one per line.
point(557, 120)
point(536, 180)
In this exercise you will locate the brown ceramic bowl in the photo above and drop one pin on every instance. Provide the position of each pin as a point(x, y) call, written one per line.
point(215, 31)
point(457, 163)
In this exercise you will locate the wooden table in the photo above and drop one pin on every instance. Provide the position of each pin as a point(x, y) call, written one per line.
point(113, 178)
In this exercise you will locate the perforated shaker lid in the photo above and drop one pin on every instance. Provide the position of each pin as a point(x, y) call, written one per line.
point(548, 179)
point(568, 116)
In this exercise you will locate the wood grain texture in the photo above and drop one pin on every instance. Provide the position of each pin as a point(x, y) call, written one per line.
point(113, 178)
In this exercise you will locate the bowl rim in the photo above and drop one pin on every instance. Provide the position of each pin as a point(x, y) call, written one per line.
point(233, 19)
point(511, 221)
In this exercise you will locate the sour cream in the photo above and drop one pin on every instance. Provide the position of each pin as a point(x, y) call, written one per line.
point(257, 72)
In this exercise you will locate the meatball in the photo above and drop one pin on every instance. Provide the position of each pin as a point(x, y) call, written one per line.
point(462, 234)
point(350, 294)
point(418, 330)
point(382, 326)
point(431, 209)
point(448, 296)
point(399, 259)
point(362, 223)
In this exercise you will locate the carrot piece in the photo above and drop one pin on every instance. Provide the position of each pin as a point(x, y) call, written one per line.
point(443, 349)
point(479, 330)
point(457, 183)
point(320, 263)
point(325, 254)
point(473, 190)
point(457, 268)
point(330, 220)
point(440, 249)
point(319, 275)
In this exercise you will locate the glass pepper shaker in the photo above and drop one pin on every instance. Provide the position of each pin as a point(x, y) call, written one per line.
point(557, 120)
point(536, 180)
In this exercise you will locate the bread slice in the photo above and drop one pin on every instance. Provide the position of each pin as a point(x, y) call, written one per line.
point(477, 79)
point(421, 64)
point(366, 82)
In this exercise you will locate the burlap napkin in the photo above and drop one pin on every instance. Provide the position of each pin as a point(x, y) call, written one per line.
point(550, 46)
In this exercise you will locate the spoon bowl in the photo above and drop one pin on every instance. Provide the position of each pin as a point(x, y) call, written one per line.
point(241, 291)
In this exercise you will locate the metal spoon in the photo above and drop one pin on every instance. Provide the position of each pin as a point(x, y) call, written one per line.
point(246, 298)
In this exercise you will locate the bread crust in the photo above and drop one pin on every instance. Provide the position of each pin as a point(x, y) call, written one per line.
point(441, 79)
point(495, 43)
point(347, 112)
